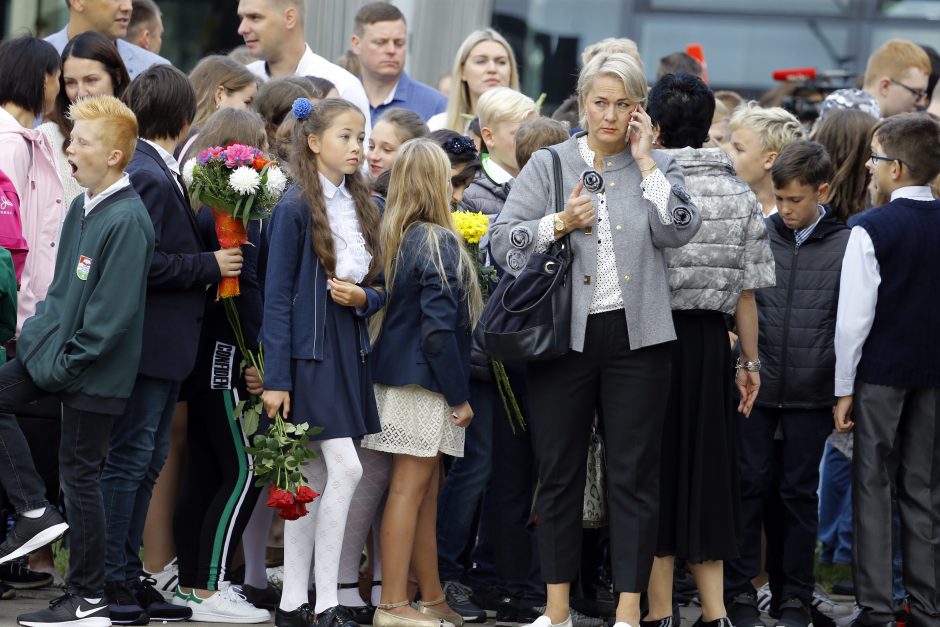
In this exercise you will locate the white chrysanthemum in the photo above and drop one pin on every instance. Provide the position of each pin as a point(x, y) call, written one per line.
point(188, 168)
point(277, 181)
point(244, 180)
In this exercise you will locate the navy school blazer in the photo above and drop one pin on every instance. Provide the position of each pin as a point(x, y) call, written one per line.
point(180, 272)
point(437, 358)
point(295, 293)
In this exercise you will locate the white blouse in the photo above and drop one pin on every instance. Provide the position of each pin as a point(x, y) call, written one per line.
point(352, 256)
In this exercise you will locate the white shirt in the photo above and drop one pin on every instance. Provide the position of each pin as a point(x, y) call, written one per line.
point(352, 256)
point(347, 85)
point(171, 163)
point(858, 296)
point(111, 190)
point(496, 172)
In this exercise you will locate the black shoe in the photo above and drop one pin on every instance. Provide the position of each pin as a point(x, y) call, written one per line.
point(362, 614)
point(487, 597)
point(843, 588)
point(6, 592)
point(743, 612)
point(69, 609)
point(149, 598)
point(718, 622)
point(123, 606)
point(17, 574)
point(336, 616)
point(663, 622)
point(793, 613)
point(303, 616)
point(516, 612)
point(29, 534)
point(266, 598)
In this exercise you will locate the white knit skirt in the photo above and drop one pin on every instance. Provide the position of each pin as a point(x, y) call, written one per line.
point(415, 422)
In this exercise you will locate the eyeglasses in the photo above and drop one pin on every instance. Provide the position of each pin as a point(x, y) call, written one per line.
point(876, 158)
point(920, 94)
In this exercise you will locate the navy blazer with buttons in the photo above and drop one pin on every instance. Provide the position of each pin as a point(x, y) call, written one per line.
point(295, 293)
point(180, 272)
point(437, 358)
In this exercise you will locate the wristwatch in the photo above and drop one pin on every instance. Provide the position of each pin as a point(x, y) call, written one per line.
point(560, 226)
point(750, 366)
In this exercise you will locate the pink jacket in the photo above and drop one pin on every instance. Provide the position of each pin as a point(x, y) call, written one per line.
point(27, 159)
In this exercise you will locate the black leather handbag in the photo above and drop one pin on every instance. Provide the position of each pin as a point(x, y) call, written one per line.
point(528, 317)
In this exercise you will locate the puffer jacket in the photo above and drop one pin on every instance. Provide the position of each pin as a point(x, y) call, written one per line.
point(797, 317)
point(485, 195)
point(731, 252)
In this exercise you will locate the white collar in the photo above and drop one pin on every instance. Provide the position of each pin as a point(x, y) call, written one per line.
point(171, 163)
point(496, 172)
point(391, 94)
point(913, 192)
point(329, 190)
point(111, 190)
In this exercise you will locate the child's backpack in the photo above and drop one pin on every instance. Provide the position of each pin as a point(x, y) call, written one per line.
point(11, 228)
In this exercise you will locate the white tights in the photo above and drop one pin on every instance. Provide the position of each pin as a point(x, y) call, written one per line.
point(334, 473)
point(362, 512)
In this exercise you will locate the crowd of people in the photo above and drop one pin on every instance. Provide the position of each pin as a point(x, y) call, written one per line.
point(749, 384)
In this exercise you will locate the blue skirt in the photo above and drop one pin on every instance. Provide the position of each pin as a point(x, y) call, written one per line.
point(336, 393)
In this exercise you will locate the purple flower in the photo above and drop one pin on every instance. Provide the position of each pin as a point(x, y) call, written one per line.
point(238, 155)
point(210, 153)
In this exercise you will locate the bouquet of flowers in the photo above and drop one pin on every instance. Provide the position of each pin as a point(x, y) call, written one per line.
point(472, 226)
point(238, 183)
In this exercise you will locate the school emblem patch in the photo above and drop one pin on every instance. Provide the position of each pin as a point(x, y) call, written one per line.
point(84, 265)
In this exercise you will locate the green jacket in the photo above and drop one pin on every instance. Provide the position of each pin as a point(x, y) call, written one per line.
point(7, 301)
point(83, 344)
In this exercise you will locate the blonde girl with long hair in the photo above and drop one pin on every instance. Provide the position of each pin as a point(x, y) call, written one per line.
point(322, 282)
point(421, 369)
point(484, 60)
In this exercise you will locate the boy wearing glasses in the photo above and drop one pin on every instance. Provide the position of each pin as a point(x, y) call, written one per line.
point(895, 82)
point(888, 371)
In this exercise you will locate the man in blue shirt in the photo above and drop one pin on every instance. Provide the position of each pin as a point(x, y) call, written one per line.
point(111, 20)
point(379, 40)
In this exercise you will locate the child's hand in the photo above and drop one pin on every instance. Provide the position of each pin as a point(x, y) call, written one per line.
point(842, 414)
point(253, 381)
point(274, 400)
point(230, 262)
point(347, 294)
point(462, 414)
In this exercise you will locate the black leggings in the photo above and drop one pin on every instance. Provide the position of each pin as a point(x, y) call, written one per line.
point(217, 494)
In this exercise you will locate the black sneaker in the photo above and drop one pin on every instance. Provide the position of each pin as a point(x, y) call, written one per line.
point(69, 609)
point(6, 592)
point(458, 598)
point(490, 598)
point(662, 622)
point(123, 606)
point(303, 616)
point(793, 613)
point(516, 612)
point(29, 534)
point(336, 616)
point(743, 612)
point(149, 598)
point(266, 598)
point(17, 574)
point(718, 622)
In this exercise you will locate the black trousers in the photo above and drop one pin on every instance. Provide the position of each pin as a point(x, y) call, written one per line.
point(897, 441)
point(796, 470)
point(628, 388)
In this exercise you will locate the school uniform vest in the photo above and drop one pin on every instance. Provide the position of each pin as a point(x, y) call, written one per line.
point(901, 348)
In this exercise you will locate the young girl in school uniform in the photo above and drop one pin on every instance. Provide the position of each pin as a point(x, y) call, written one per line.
point(422, 373)
point(321, 283)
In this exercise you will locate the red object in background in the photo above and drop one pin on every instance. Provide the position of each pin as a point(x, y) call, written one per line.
point(795, 74)
point(695, 51)
point(231, 234)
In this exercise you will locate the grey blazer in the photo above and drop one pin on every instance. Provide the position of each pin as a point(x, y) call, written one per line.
point(639, 237)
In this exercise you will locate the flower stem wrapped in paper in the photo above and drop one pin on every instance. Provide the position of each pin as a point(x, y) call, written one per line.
point(238, 183)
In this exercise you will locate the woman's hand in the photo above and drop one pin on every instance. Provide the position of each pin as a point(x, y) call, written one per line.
point(641, 138)
point(253, 381)
point(347, 294)
point(748, 386)
point(461, 415)
point(579, 210)
point(275, 400)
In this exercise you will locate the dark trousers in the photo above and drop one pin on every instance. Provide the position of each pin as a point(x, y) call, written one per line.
point(794, 475)
point(897, 441)
point(138, 448)
point(81, 449)
point(628, 388)
point(217, 494)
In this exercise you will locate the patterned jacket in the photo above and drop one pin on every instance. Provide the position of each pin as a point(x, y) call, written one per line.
point(731, 252)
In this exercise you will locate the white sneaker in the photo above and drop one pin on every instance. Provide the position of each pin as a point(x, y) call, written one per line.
point(166, 580)
point(545, 621)
point(228, 605)
point(824, 603)
point(764, 598)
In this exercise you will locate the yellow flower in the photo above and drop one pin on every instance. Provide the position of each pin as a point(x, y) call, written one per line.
point(471, 225)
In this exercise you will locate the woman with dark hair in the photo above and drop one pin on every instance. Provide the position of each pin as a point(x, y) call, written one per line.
point(711, 279)
point(464, 161)
point(29, 84)
point(846, 136)
point(91, 66)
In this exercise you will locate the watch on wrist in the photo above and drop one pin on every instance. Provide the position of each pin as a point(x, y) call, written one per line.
point(749, 366)
point(560, 226)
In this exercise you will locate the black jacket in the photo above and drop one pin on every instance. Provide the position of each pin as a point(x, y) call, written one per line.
point(180, 272)
point(797, 317)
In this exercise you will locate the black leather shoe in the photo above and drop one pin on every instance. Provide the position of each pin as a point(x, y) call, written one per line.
point(362, 614)
point(266, 598)
point(743, 612)
point(301, 617)
point(336, 616)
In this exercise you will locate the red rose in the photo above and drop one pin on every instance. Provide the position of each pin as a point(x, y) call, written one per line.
point(305, 494)
point(279, 499)
point(293, 512)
